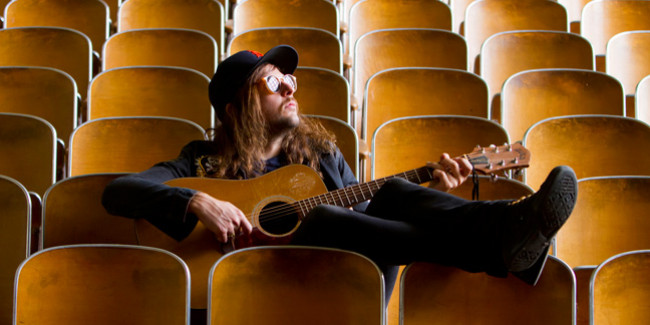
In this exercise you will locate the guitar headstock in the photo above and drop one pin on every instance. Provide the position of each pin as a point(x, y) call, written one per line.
point(493, 159)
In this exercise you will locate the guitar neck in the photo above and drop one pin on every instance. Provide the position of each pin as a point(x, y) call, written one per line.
point(352, 195)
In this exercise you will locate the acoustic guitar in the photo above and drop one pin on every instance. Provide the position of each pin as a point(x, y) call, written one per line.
point(275, 204)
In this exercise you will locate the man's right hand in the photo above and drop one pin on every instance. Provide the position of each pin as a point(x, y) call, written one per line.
point(221, 217)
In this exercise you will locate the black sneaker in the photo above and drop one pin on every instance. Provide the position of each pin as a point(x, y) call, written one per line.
point(532, 223)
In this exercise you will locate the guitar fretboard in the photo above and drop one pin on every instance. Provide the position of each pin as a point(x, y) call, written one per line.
point(351, 195)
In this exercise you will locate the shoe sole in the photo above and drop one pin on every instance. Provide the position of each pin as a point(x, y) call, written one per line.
point(554, 212)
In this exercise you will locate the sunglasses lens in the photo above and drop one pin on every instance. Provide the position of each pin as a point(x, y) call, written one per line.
point(290, 80)
point(273, 83)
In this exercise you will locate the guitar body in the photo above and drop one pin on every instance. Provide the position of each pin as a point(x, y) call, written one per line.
point(200, 250)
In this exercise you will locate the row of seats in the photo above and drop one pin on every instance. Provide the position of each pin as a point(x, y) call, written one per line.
point(472, 19)
point(99, 146)
point(502, 55)
point(124, 284)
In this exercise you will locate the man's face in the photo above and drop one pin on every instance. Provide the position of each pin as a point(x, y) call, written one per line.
point(279, 108)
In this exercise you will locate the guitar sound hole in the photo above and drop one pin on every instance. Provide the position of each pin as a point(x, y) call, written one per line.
point(278, 218)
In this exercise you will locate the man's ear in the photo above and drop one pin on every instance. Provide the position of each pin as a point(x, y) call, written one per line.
point(229, 109)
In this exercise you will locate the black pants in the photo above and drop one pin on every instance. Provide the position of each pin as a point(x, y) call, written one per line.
point(405, 223)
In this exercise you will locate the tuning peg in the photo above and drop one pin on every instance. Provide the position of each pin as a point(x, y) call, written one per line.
point(514, 161)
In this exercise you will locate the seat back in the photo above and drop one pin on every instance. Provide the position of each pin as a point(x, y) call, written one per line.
point(56, 47)
point(486, 18)
point(436, 294)
point(250, 14)
point(616, 143)
point(73, 214)
point(323, 92)
point(162, 46)
point(102, 284)
point(346, 139)
point(98, 146)
point(295, 285)
point(48, 93)
point(533, 95)
point(151, 91)
point(620, 289)
point(399, 92)
point(507, 53)
point(602, 19)
point(90, 17)
point(610, 217)
point(204, 15)
point(409, 142)
point(317, 47)
point(366, 16)
point(15, 222)
point(628, 59)
point(28, 151)
point(384, 49)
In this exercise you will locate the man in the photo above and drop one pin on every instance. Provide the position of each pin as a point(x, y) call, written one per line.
point(261, 130)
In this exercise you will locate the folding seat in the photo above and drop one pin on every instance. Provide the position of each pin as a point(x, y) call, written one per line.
point(412, 91)
point(56, 47)
point(73, 214)
point(15, 222)
point(251, 14)
point(48, 93)
point(642, 100)
point(602, 19)
point(610, 217)
point(296, 285)
point(102, 284)
point(323, 92)
point(151, 91)
point(619, 289)
point(90, 17)
point(164, 47)
point(370, 15)
point(593, 145)
point(486, 18)
point(204, 15)
point(533, 95)
point(506, 53)
point(28, 151)
point(408, 91)
point(427, 138)
point(437, 294)
point(346, 139)
point(628, 60)
point(383, 49)
point(316, 47)
point(98, 146)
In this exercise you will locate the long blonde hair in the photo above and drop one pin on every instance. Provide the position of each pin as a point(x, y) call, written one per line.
point(243, 134)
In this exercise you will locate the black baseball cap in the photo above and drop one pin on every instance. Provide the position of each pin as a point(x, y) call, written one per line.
point(233, 72)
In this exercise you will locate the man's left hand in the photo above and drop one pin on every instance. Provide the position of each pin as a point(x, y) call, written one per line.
point(449, 173)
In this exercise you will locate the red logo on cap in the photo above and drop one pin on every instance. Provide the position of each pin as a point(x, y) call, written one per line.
point(257, 54)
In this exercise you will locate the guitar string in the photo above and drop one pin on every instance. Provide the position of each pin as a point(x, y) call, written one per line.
point(292, 208)
point(286, 209)
point(283, 210)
